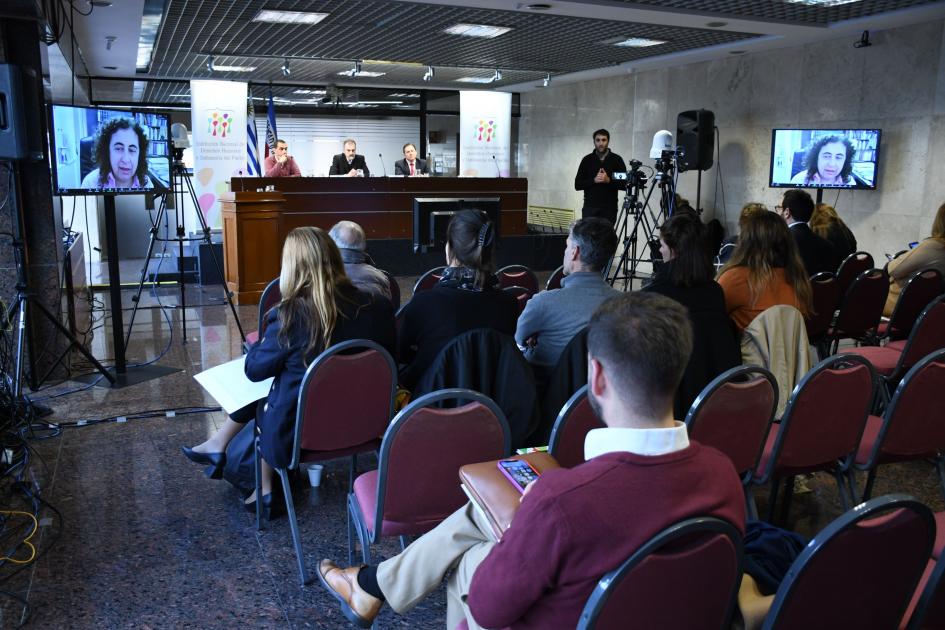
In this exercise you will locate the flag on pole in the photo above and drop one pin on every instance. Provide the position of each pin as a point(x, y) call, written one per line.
point(271, 133)
point(252, 157)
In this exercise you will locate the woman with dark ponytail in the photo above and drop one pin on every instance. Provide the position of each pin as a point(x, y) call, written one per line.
point(467, 297)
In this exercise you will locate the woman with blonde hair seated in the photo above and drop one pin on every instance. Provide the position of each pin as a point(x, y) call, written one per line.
point(827, 224)
point(319, 307)
point(765, 270)
point(929, 254)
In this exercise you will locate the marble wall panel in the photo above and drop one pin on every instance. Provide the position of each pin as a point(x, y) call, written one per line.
point(899, 76)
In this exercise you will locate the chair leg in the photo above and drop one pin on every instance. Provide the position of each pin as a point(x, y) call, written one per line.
point(773, 499)
point(750, 506)
point(940, 466)
point(257, 464)
point(304, 578)
point(351, 535)
point(352, 464)
point(788, 495)
point(404, 541)
point(870, 478)
point(842, 489)
point(851, 480)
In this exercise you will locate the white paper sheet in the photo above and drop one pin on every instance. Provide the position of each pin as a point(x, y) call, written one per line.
point(228, 385)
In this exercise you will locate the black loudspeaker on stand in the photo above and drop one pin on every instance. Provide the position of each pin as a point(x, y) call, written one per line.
point(695, 132)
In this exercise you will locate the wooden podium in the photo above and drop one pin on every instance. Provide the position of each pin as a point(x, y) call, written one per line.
point(256, 223)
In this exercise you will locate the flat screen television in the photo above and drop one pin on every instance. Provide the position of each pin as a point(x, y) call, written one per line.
point(109, 151)
point(431, 216)
point(824, 158)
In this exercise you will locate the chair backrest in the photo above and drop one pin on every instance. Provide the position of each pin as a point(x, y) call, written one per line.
point(921, 288)
point(914, 421)
point(825, 417)
point(643, 592)
point(522, 296)
point(517, 276)
point(566, 378)
point(269, 298)
point(423, 449)
point(734, 412)
point(929, 611)
point(554, 280)
point(571, 427)
point(860, 571)
point(394, 291)
point(862, 304)
point(927, 336)
point(825, 298)
point(346, 398)
point(851, 268)
point(429, 279)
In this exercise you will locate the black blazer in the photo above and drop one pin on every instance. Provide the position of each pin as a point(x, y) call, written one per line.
point(339, 165)
point(817, 253)
point(402, 168)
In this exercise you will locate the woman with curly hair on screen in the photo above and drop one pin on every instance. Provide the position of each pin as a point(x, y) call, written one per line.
point(121, 147)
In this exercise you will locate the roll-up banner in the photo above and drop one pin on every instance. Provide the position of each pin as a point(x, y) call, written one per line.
point(484, 140)
point(218, 123)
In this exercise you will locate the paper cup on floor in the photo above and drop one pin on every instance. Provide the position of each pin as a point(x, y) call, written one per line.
point(315, 475)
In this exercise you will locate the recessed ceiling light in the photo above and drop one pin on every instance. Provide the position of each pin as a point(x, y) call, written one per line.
point(308, 91)
point(361, 73)
point(289, 17)
point(101, 3)
point(736, 52)
point(475, 80)
point(639, 42)
point(218, 68)
point(477, 30)
point(110, 67)
point(716, 24)
point(537, 6)
point(822, 3)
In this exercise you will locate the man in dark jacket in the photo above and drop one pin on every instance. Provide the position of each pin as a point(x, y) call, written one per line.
point(349, 163)
point(352, 243)
point(817, 253)
point(595, 176)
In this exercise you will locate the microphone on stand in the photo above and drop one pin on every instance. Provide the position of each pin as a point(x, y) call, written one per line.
point(498, 171)
point(241, 180)
point(384, 166)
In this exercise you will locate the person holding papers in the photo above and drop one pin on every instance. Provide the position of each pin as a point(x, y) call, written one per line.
point(642, 474)
point(319, 308)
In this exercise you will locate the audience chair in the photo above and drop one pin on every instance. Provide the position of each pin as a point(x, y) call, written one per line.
point(269, 298)
point(861, 309)
point(921, 288)
point(345, 403)
point(733, 414)
point(521, 294)
point(644, 591)
point(927, 608)
point(912, 427)
point(554, 280)
point(429, 279)
point(894, 359)
point(566, 378)
point(415, 486)
point(517, 276)
point(851, 268)
point(777, 341)
point(394, 291)
point(860, 571)
point(575, 421)
point(825, 298)
point(821, 427)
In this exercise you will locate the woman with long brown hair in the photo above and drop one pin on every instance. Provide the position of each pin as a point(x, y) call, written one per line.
point(765, 270)
point(827, 224)
point(928, 254)
point(319, 307)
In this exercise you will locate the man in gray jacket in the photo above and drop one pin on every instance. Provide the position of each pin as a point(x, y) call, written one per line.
point(552, 318)
point(350, 239)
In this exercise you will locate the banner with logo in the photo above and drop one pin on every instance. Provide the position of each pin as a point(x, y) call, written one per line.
point(484, 139)
point(218, 124)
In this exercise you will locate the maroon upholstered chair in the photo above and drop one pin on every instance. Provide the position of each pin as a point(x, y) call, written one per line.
point(554, 280)
point(861, 308)
point(522, 296)
point(643, 592)
point(860, 571)
point(825, 297)
point(416, 486)
point(345, 403)
point(733, 414)
point(574, 422)
point(921, 288)
point(913, 425)
point(821, 427)
point(429, 279)
point(517, 276)
point(894, 359)
point(269, 298)
point(851, 268)
point(927, 608)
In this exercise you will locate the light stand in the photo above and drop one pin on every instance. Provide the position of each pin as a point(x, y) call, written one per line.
point(181, 186)
point(24, 300)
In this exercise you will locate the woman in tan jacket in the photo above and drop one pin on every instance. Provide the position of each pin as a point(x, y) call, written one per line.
point(930, 253)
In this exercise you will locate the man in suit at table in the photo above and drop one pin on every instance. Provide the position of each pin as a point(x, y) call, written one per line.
point(411, 165)
point(349, 163)
point(817, 253)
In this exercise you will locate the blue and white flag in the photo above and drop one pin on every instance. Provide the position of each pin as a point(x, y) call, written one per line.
point(271, 133)
point(252, 157)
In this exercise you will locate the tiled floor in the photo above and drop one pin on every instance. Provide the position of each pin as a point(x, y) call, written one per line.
point(143, 539)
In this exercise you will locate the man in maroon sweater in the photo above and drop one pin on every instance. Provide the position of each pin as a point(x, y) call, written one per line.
point(574, 525)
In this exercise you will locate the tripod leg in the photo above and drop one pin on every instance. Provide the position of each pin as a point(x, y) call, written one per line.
point(180, 271)
point(144, 270)
point(75, 342)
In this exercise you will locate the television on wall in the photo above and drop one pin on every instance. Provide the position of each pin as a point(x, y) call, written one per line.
point(825, 158)
point(109, 151)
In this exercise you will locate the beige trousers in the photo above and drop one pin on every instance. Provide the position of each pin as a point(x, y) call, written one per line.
point(459, 544)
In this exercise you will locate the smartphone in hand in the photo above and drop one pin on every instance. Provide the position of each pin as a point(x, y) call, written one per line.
point(519, 472)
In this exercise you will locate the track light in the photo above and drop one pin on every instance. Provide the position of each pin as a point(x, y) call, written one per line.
point(357, 68)
point(497, 76)
point(285, 68)
point(429, 74)
point(210, 63)
point(547, 80)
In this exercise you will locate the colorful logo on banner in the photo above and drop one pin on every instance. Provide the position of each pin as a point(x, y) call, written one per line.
point(219, 122)
point(485, 130)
